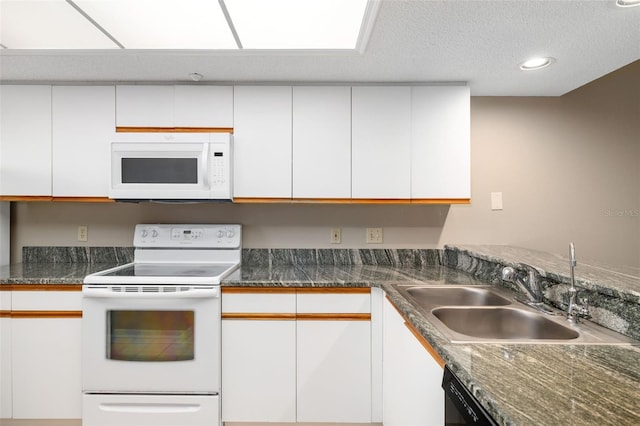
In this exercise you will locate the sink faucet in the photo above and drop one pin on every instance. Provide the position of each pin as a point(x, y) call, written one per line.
point(575, 310)
point(529, 284)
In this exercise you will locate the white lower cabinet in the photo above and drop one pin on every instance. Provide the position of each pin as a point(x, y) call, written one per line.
point(5, 355)
point(46, 355)
point(258, 371)
point(47, 377)
point(412, 392)
point(306, 364)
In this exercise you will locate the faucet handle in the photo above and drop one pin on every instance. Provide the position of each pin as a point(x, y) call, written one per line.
point(583, 308)
point(572, 254)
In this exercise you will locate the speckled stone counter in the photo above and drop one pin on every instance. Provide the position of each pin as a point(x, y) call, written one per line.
point(533, 384)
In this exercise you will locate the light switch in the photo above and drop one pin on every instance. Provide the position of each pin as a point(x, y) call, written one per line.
point(496, 201)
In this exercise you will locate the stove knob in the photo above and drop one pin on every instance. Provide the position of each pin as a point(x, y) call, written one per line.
point(144, 233)
point(154, 233)
point(220, 233)
point(229, 234)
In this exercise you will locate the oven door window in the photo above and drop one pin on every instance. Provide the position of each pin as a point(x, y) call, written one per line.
point(150, 335)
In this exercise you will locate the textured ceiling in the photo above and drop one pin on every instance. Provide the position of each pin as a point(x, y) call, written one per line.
point(481, 42)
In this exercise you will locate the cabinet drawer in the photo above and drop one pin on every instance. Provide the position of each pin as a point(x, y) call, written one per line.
point(259, 302)
point(46, 301)
point(333, 303)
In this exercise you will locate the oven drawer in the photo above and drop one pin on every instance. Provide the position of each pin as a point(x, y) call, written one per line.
point(150, 410)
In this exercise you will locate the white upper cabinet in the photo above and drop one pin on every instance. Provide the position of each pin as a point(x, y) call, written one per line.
point(381, 142)
point(174, 106)
point(83, 127)
point(322, 142)
point(204, 106)
point(440, 142)
point(25, 140)
point(262, 142)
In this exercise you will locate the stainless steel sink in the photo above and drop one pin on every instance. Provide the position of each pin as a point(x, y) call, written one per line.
point(502, 323)
point(486, 314)
point(456, 296)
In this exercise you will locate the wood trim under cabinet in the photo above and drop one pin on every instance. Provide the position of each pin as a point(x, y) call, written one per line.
point(258, 316)
point(48, 198)
point(5, 314)
point(396, 201)
point(258, 289)
point(333, 317)
point(125, 129)
point(41, 287)
point(46, 314)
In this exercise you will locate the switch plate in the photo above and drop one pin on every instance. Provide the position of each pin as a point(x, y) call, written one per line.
point(496, 201)
point(83, 233)
point(336, 235)
point(374, 235)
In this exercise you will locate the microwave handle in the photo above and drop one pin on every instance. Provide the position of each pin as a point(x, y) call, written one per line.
point(205, 163)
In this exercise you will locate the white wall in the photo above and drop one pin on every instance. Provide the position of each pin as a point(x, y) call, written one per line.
point(568, 168)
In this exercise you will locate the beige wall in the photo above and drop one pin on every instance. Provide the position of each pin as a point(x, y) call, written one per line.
point(568, 168)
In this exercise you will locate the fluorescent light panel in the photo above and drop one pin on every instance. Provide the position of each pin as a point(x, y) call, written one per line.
point(162, 24)
point(297, 24)
point(48, 24)
point(181, 24)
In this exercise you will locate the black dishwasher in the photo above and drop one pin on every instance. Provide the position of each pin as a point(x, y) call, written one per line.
point(460, 407)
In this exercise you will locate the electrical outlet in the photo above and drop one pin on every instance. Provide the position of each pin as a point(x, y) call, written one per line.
point(336, 236)
point(374, 235)
point(496, 201)
point(83, 233)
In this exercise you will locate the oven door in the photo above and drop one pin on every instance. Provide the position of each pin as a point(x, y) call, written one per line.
point(145, 339)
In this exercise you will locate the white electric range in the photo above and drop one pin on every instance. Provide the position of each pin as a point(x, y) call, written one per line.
point(152, 328)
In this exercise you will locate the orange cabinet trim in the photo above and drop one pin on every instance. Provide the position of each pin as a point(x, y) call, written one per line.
point(333, 317)
point(123, 129)
point(42, 287)
point(230, 290)
point(46, 314)
point(258, 316)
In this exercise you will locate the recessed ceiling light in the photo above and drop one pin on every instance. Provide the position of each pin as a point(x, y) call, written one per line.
point(536, 64)
point(627, 3)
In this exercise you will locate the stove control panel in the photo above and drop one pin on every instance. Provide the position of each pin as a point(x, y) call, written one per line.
point(188, 236)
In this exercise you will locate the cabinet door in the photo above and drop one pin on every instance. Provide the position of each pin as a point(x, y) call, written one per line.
point(334, 358)
point(321, 142)
point(25, 140)
point(46, 358)
point(381, 142)
point(262, 142)
point(334, 371)
point(83, 127)
point(440, 142)
point(144, 106)
point(258, 358)
point(412, 393)
point(203, 106)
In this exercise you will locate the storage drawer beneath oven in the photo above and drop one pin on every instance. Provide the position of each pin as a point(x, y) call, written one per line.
point(150, 410)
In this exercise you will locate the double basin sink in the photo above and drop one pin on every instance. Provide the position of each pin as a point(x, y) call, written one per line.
point(485, 314)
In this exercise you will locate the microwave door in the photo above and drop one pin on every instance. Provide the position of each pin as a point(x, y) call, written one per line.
point(159, 171)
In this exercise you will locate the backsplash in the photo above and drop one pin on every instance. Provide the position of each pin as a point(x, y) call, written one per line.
point(91, 255)
point(250, 257)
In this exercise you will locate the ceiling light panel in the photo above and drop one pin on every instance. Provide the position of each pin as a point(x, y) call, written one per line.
point(48, 24)
point(297, 24)
point(162, 24)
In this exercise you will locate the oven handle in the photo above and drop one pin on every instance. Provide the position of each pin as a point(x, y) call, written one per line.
point(193, 293)
point(140, 408)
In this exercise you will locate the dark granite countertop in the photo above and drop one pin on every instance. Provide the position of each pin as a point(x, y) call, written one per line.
point(533, 384)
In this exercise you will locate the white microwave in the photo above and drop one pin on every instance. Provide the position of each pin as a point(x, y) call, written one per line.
point(171, 166)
